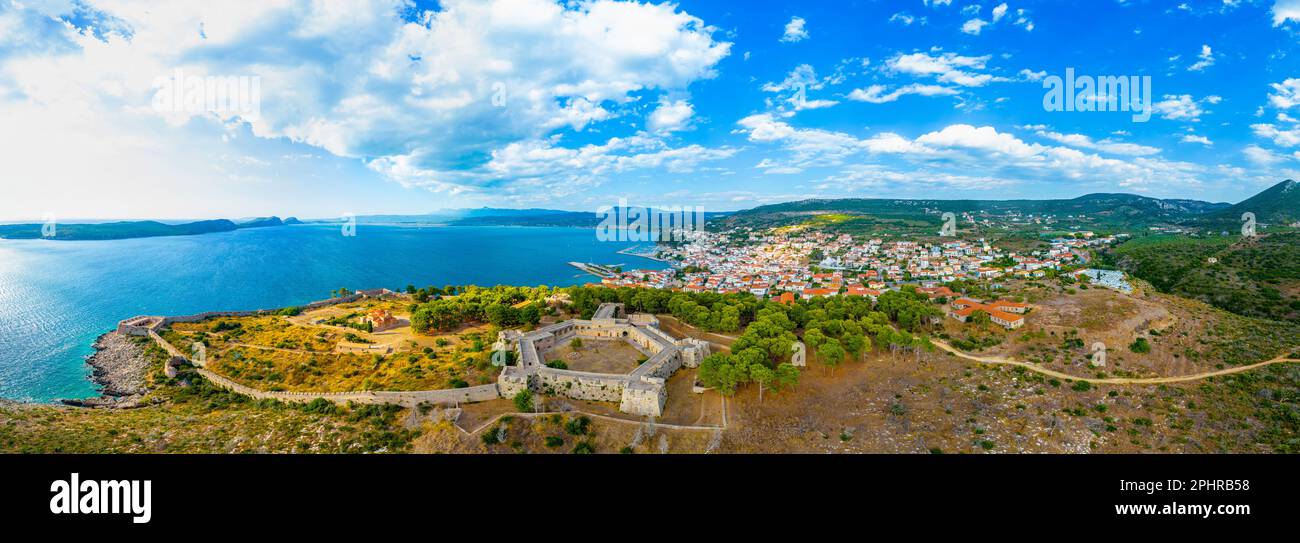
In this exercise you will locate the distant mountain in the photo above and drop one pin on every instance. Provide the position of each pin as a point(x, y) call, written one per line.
point(580, 219)
point(449, 216)
point(1278, 204)
point(133, 229)
point(1104, 208)
point(261, 222)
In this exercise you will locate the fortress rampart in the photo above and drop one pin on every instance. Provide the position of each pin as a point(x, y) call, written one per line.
point(641, 392)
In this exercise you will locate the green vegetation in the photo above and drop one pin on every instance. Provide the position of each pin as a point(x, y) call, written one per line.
point(524, 401)
point(473, 304)
point(578, 426)
point(1253, 277)
point(200, 417)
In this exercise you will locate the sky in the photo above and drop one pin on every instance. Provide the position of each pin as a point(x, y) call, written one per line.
point(401, 107)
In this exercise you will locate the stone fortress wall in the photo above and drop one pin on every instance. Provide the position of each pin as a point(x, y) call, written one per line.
point(641, 392)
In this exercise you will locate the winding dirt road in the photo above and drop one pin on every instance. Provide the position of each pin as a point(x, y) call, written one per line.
point(1112, 380)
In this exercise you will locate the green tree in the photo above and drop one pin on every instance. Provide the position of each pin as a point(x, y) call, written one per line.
point(763, 376)
point(830, 354)
point(787, 375)
point(524, 401)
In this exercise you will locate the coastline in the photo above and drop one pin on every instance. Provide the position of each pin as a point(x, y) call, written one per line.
point(119, 368)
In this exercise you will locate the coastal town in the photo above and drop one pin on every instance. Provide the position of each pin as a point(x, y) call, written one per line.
point(803, 264)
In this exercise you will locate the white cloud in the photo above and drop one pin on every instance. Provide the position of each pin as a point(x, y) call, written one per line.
point(974, 26)
point(975, 152)
point(796, 85)
point(1182, 107)
point(1262, 157)
point(1286, 94)
point(671, 116)
point(795, 31)
point(1204, 60)
point(879, 94)
point(427, 100)
point(538, 159)
point(946, 68)
point(1106, 146)
point(1285, 10)
point(902, 18)
point(1281, 137)
point(1023, 21)
point(1193, 138)
point(999, 12)
point(1032, 76)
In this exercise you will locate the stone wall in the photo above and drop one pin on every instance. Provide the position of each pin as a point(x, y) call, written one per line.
point(450, 396)
point(644, 397)
point(579, 385)
point(641, 392)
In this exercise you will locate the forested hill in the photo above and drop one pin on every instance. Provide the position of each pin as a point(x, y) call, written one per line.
point(1279, 204)
point(1105, 208)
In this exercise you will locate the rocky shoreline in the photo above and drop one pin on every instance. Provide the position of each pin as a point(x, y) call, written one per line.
point(120, 368)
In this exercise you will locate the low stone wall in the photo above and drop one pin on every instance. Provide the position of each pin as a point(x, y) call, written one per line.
point(481, 393)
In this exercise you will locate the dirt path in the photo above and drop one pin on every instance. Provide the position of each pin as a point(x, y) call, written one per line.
point(1113, 380)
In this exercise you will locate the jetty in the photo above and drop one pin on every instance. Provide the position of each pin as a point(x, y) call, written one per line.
point(638, 251)
point(599, 270)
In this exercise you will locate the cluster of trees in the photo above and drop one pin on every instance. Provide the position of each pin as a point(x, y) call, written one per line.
point(475, 304)
point(725, 372)
point(706, 310)
point(833, 328)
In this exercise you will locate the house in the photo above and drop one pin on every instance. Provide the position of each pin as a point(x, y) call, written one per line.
point(937, 292)
point(381, 319)
point(859, 290)
point(1003, 313)
point(786, 298)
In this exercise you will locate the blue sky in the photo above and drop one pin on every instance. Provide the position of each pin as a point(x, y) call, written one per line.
point(388, 106)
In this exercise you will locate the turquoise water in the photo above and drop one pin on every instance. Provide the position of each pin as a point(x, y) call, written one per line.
point(56, 297)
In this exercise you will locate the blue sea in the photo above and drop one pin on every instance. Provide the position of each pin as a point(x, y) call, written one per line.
point(56, 297)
